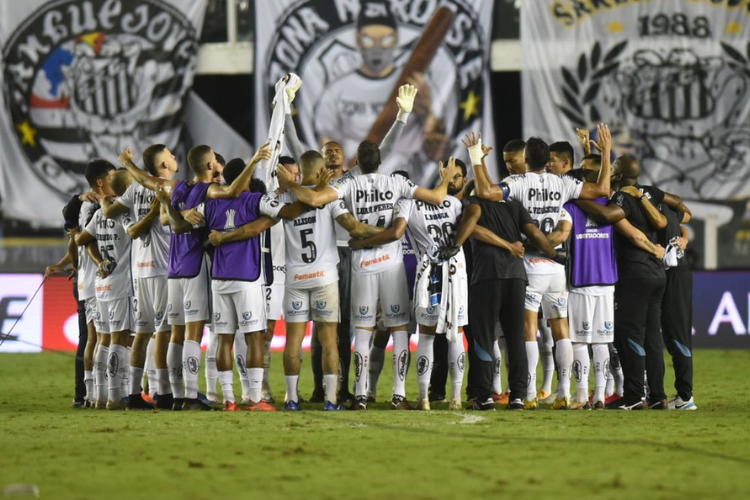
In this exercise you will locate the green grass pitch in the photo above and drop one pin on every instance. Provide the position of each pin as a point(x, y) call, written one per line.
point(88, 454)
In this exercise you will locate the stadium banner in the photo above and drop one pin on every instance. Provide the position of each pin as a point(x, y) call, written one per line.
point(670, 77)
point(83, 79)
point(350, 55)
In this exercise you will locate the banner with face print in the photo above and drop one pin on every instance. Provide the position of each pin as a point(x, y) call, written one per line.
point(83, 79)
point(350, 54)
point(670, 77)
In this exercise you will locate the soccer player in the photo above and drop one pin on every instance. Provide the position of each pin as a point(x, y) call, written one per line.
point(113, 284)
point(543, 195)
point(150, 266)
point(431, 227)
point(513, 156)
point(187, 306)
point(378, 273)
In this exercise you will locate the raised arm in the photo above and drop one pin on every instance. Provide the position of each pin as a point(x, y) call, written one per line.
point(142, 226)
point(405, 101)
point(246, 232)
point(638, 239)
point(601, 187)
point(143, 178)
point(242, 182)
point(307, 196)
point(374, 237)
point(436, 195)
point(483, 186)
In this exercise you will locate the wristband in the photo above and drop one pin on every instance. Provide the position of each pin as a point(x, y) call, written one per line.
point(476, 154)
point(403, 117)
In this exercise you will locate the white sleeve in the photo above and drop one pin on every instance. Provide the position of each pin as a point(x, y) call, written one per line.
point(91, 226)
point(126, 219)
point(402, 209)
point(270, 206)
point(573, 187)
point(406, 188)
point(338, 208)
point(126, 200)
point(341, 187)
point(565, 216)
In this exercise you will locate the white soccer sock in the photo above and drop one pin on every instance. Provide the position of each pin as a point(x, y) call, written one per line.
point(532, 356)
point(174, 363)
point(100, 372)
point(256, 381)
point(425, 360)
point(377, 360)
point(291, 387)
point(226, 380)
point(457, 364)
point(212, 373)
point(581, 367)
point(125, 374)
point(497, 377)
point(115, 362)
point(619, 377)
point(150, 368)
point(361, 365)
point(162, 379)
point(240, 353)
point(548, 361)
point(329, 381)
point(191, 367)
point(88, 380)
point(267, 363)
point(400, 361)
point(564, 358)
point(136, 376)
point(601, 362)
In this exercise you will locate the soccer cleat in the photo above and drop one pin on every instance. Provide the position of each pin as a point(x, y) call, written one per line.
point(561, 403)
point(437, 398)
point(371, 397)
point(177, 405)
point(546, 398)
point(164, 402)
point(266, 396)
point(292, 406)
point(100, 405)
point(625, 404)
point(89, 404)
point(136, 402)
point(501, 399)
point(657, 404)
point(317, 396)
point(612, 398)
point(516, 404)
point(531, 405)
point(78, 405)
point(677, 403)
point(147, 398)
point(455, 405)
point(116, 405)
point(344, 397)
point(581, 405)
point(599, 405)
point(231, 406)
point(261, 406)
point(328, 406)
point(424, 405)
point(195, 405)
point(488, 405)
point(359, 403)
point(400, 403)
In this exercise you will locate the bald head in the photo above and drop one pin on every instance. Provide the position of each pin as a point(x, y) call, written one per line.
point(121, 179)
point(627, 170)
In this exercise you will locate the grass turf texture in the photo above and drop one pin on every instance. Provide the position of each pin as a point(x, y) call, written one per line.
point(89, 454)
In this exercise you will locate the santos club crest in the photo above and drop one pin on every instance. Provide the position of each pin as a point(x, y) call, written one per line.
point(86, 79)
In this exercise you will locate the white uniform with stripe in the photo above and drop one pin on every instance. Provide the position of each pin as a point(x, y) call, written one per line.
point(86, 267)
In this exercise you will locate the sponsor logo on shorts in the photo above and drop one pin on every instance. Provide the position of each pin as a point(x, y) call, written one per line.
point(309, 276)
point(431, 310)
point(357, 365)
point(608, 325)
point(462, 362)
point(188, 312)
point(297, 305)
point(192, 365)
point(461, 310)
point(247, 315)
point(586, 326)
point(531, 298)
point(188, 304)
point(561, 301)
point(395, 308)
point(321, 304)
point(217, 316)
point(402, 359)
point(169, 308)
point(422, 365)
point(111, 314)
point(159, 315)
point(363, 310)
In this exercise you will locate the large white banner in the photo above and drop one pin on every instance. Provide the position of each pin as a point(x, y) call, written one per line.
point(83, 79)
point(670, 77)
point(350, 54)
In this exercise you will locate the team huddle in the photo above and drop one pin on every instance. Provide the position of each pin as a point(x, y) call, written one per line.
point(159, 259)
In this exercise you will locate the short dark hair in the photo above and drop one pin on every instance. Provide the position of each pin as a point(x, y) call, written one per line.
point(595, 157)
point(460, 164)
point(233, 169)
point(537, 153)
point(309, 159)
point(565, 149)
point(96, 169)
point(220, 160)
point(149, 157)
point(514, 146)
point(258, 186)
point(196, 158)
point(287, 160)
point(402, 173)
point(368, 157)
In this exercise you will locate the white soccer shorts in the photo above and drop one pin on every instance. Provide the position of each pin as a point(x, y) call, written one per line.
point(90, 306)
point(244, 310)
point(188, 298)
point(320, 303)
point(390, 287)
point(592, 318)
point(274, 300)
point(550, 292)
point(150, 304)
point(114, 315)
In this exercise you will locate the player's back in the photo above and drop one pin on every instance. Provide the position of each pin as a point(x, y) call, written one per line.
point(151, 249)
point(86, 267)
point(430, 225)
point(543, 195)
point(114, 245)
point(186, 249)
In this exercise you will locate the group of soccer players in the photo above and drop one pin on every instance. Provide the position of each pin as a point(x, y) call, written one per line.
point(159, 259)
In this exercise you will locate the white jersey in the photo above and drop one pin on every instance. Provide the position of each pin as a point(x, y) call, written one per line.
point(543, 195)
point(86, 267)
point(371, 198)
point(151, 250)
point(429, 224)
point(114, 244)
point(311, 254)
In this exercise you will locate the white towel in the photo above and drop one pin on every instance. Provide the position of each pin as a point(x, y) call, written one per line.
point(275, 138)
point(454, 287)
